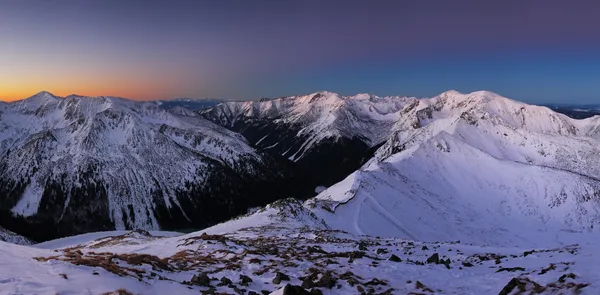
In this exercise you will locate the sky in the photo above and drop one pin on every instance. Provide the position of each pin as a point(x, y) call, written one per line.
point(538, 51)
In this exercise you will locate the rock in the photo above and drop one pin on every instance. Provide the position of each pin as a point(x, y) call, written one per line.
point(564, 277)
point(252, 293)
point(316, 291)
point(394, 258)
point(375, 282)
point(245, 280)
point(522, 285)
point(142, 232)
point(421, 286)
point(225, 281)
point(381, 251)
point(424, 248)
point(315, 249)
point(467, 264)
point(238, 290)
point(280, 277)
point(362, 245)
point(350, 277)
point(446, 262)
point(294, 290)
point(326, 281)
point(201, 279)
point(435, 258)
point(307, 283)
point(511, 269)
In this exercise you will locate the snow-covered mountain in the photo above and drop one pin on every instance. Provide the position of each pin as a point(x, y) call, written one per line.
point(468, 194)
point(482, 167)
point(11, 237)
point(76, 164)
point(326, 129)
point(474, 167)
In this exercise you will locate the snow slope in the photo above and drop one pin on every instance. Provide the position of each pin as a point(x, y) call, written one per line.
point(285, 243)
point(478, 168)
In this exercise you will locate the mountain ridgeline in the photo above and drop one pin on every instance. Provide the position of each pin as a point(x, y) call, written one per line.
point(476, 167)
point(79, 164)
point(489, 169)
point(326, 134)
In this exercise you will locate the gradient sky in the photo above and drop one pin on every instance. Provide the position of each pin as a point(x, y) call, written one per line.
point(541, 51)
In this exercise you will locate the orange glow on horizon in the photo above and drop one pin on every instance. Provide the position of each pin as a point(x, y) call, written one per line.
point(136, 89)
point(134, 94)
point(132, 82)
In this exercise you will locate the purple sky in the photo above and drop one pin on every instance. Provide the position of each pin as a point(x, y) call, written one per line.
point(540, 51)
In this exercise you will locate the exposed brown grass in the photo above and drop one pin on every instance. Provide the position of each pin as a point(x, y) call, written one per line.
point(119, 292)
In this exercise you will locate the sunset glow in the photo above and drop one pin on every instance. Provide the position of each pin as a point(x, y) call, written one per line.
point(251, 49)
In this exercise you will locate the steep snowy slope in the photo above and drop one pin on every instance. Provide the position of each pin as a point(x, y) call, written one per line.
point(11, 237)
point(474, 167)
point(324, 128)
point(77, 164)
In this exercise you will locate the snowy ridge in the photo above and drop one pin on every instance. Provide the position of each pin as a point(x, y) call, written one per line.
point(474, 167)
point(318, 116)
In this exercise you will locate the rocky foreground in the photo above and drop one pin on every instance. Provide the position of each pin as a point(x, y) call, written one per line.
point(271, 252)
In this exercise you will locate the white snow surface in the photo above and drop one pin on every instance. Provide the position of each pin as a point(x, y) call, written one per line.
point(476, 167)
point(287, 237)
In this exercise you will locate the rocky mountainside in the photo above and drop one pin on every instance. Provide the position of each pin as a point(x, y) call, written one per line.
point(325, 130)
point(77, 164)
point(13, 238)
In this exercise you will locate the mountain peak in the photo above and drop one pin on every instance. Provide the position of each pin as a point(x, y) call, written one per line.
point(323, 94)
point(450, 92)
point(41, 98)
point(44, 93)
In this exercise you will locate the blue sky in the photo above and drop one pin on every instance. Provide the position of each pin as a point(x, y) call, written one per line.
point(540, 51)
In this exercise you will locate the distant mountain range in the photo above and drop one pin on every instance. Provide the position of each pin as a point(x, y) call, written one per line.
point(335, 133)
point(581, 111)
point(194, 104)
